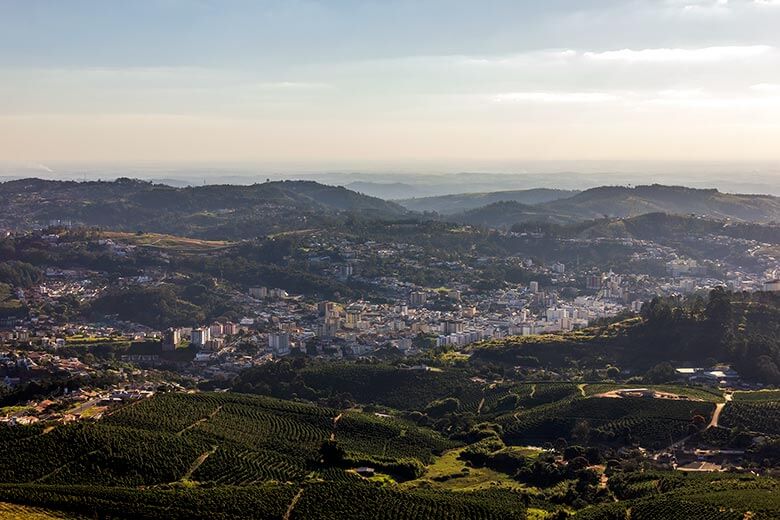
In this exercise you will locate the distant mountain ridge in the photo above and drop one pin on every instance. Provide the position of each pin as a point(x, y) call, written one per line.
point(618, 201)
point(450, 204)
point(623, 202)
point(239, 211)
point(209, 211)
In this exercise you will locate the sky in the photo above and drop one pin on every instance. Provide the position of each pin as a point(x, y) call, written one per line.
point(351, 82)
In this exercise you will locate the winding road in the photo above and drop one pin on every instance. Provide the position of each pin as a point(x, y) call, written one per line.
point(718, 410)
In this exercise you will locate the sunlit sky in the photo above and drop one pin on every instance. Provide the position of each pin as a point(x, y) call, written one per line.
point(386, 80)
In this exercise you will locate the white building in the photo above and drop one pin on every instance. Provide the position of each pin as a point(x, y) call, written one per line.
point(772, 285)
point(201, 336)
point(279, 342)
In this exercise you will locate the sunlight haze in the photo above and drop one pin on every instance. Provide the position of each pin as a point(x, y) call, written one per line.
point(402, 82)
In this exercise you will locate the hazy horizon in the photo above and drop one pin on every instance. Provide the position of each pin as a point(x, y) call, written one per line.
point(336, 85)
point(393, 181)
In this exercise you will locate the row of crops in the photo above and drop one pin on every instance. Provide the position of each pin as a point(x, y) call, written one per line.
point(650, 422)
point(388, 437)
point(336, 501)
point(394, 387)
point(674, 495)
point(312, 501)
point(705, 497)
point(762, 395)
point(700, 393)
point(761, 416)
point(220, 503)
point(235, 439)
point(18, 512)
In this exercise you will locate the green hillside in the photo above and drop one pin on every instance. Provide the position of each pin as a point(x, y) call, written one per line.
point(214, 211)
point(232, 456)
point(615, 202)
point(451, 204)
point(620, 201)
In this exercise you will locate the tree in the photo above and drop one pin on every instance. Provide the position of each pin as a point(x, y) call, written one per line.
point(661, 373)
point(443, 406)
point(332, 453)
point(581, 431)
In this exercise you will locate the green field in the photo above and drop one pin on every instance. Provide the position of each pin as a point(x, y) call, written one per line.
point(450, 473)
point(693, 392)
point(761, 416)
point(219, 455)
point(18, 512)
point(761, 395)
point(653, 423)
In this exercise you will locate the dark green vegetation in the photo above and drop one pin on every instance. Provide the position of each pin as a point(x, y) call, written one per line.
point(620, 201)
point(654, 423)
point(661, 227)
point(761, 417)
point(454, 401)
point(220, 455)
point(247, 439)
point(617, 202)
point(219, 212)
point(162, 306)
point(451, 204)
point(311, 501)
point(673, 496)
point(506, 213)
point(240, 453)
point(9, 304)
point(401, 388)
point(241, 212)
point(742, 329)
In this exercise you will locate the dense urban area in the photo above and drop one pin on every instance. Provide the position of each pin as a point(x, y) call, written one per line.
point(301, 350)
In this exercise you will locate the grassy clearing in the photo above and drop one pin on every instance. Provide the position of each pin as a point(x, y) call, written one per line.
point(166, 241)
point(453, 356)
point(710, 395)
point(533, 513)
point(17, 512)
point(452, 474)
point(10, 410)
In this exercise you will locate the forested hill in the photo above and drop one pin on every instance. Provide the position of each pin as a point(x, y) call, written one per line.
point(209, 211)
point(508, 213)
point(656, 226)
point(741, 329)
point(618, 201)
point(504, 209)
point(450, 204)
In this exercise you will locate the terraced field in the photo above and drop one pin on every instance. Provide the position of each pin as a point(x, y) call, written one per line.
point(17, 512)
point(652, 423)
point(228, 439)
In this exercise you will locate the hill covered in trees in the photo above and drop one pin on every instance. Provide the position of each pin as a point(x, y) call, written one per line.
point(737, 328)
point(504, 209)
point(451, 204)
point(621, 201)
point(214, 211)
point(232, 456)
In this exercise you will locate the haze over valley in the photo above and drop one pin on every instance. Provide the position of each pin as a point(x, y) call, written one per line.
point(398, 259)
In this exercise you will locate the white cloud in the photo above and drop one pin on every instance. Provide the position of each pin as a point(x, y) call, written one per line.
point(671, 55)
point(521, 59)
point(555, 97)
point(292, 85)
